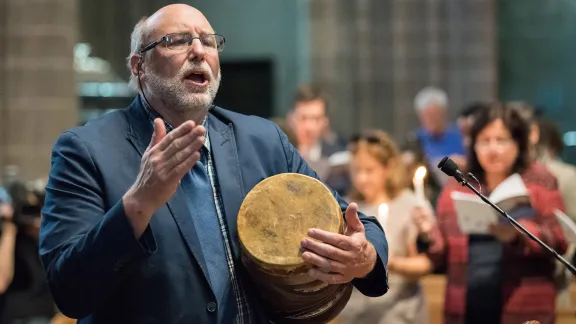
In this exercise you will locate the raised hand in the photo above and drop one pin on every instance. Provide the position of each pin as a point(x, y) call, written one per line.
point(166, 160)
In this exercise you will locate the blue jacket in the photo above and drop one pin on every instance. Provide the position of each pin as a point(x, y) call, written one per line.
point(100, 273)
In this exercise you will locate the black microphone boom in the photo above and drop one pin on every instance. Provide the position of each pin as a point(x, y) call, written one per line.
point(450, 168)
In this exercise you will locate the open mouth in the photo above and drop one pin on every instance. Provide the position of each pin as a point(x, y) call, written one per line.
point(197, 78)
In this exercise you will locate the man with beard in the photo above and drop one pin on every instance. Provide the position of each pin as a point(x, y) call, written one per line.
point(139, 222)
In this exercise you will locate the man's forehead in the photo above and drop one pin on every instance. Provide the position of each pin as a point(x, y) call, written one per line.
point(179, 22)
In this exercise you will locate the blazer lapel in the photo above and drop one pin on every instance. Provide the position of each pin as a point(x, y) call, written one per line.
point(225, 154)
point(140, 134)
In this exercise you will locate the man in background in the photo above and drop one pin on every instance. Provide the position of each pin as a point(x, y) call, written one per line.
point(434, 139)
point(309, 118)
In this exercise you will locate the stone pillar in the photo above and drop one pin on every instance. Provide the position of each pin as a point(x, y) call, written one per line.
point(37, 81)
point(373, 56)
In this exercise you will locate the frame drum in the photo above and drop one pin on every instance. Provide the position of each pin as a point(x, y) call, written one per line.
point(274, 218)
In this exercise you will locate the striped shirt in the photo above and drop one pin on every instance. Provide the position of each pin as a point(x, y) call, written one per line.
point(244, 315)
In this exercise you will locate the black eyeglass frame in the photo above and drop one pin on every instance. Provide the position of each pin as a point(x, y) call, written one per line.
point(166, 38)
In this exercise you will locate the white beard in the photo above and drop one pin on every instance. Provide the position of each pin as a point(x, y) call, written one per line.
point(176, 95)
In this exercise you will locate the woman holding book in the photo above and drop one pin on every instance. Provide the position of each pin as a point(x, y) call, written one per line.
point(499, 276)
point(380, 187)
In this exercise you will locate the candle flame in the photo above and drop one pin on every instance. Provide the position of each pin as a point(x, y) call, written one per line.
point(383, 210)
point(420, 173)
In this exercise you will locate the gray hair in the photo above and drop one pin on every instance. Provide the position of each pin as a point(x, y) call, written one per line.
point(137, 38)
point(429, 96)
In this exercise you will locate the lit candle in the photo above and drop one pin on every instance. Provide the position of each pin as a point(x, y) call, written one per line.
point(383, 214)
point(418, 182)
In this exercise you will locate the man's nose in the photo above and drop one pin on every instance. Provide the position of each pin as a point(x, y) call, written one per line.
point(197, 50)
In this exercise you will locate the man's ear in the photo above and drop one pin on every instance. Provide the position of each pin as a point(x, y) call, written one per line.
point(135, 64)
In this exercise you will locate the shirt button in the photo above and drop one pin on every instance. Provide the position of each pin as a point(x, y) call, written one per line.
point(211, 307)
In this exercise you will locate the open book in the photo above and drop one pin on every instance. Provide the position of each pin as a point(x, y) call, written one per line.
point(568, 226)
point(476, 216)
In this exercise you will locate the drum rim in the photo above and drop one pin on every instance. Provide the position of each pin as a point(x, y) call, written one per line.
point(287, 262)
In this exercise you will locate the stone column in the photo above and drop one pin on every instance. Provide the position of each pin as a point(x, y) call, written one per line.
point(37, 81)
point(374, 55)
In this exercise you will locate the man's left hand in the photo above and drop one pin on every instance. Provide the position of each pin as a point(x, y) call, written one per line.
point(340, 258)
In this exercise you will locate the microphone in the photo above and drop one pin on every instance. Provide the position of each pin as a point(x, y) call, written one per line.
point(450, 168)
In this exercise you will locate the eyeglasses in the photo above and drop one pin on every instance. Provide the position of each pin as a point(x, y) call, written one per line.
point(499, 145)
point(180, 42)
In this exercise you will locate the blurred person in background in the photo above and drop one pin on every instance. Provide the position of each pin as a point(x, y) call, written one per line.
point(548, 152)
point(8, 231)
point(564, 177)
point(330, 138)
point(530, 115)
point(27, 299)
point(379, 177)
point(309, 118)
point(434, 139)
point(492, 278)
point(466, 118)
point(287, 129)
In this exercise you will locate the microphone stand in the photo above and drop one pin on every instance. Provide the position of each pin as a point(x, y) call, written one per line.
point(558, 257)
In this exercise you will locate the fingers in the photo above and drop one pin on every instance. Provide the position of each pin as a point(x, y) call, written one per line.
point(323, 264)
point(185, 165)
point(192, 140)
point(327, 251)
point(353, 223)
point(329, 278)
point(159, 132)
point(336, 240)
point(184, 157)
point(178, 132)
point(176, 153)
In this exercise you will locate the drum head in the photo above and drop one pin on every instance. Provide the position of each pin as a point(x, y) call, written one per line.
point(276, 214)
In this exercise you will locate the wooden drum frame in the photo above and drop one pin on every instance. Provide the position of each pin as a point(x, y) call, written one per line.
point(274, 218)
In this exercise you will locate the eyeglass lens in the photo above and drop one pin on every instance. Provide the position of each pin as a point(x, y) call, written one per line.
point(179, 42)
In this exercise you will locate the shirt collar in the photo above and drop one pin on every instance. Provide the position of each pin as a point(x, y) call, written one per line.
point(153, 114)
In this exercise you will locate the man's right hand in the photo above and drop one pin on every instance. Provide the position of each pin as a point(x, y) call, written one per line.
point(166, 160)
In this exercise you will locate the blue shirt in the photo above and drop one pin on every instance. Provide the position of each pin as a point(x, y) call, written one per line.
point(439, 146)
point(436, 147)
point(244, 314)
point(5, 196)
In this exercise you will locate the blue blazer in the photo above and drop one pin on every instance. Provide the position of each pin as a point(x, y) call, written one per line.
point(99, 273)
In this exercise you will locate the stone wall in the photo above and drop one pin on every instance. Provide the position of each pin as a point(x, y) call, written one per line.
point(37, 87)
point(373, 56)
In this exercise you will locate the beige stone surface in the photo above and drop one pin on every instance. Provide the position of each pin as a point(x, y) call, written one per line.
point(37, 81)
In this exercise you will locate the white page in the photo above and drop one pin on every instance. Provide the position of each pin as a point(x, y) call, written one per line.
point(568, 226)
point(512, 187)
point(474, 215)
